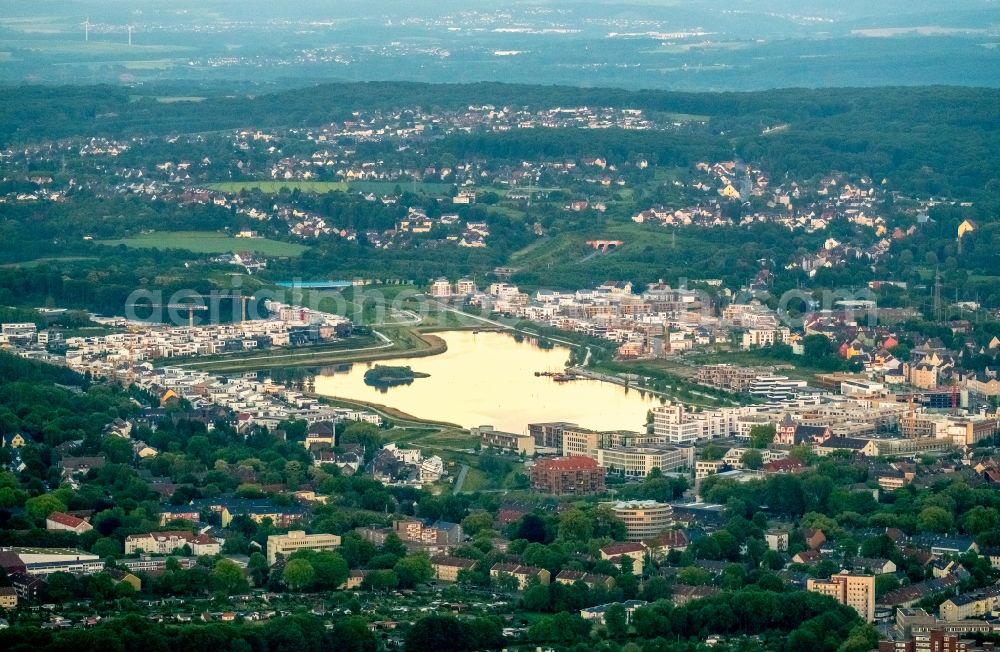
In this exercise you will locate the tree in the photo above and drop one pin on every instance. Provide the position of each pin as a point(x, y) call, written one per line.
point(536, 598)
point(712, 453)
point(365, 434)
point(439, 633)
point(41, 506)
point(228, 577)
point(861, 639)
point(477, 522)
point(62, 586)
point(761, 435)
point(615, 619)
point(774, 560)
point(413, 570)
point(885, 583)
point(330, 569)
point(298, 574)
point(575, 525)
point(381, 580)
point(106, 547)
point(980, 519)
point(656, 588)
point(393, 545)
point(935, 519)
point(532, 529)
point(753, 459)
point(694, 576)
point(258, 569)
point(353, 635)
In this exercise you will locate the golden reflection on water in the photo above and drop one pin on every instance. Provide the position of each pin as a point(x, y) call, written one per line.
point(489, 378)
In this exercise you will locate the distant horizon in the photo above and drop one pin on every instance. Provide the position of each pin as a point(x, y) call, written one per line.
point(702, 45)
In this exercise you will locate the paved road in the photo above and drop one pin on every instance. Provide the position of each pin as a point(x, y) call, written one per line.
point(461, 478)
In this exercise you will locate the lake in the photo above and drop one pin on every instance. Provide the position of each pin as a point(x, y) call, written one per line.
point(489, 378)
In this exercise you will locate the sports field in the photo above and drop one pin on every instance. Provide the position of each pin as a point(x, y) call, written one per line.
point(209, 242)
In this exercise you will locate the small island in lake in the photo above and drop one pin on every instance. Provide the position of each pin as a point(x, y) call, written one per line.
point(386, 375)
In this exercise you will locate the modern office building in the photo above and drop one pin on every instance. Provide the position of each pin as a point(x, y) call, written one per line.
point(285, 544)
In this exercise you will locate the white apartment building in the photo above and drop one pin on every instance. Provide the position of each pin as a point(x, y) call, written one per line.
point(441, 289)
point(164, 543)
point(431, 469)
point(676, 425)
point(638, 462)
point(758, 337)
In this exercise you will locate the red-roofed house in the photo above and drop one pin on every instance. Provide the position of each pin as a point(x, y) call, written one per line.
point(61, 521)
point(786, 465)
point(667, 541)
point(634, 550)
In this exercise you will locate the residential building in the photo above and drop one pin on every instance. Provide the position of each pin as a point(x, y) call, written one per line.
point(510, 442)
point(593, 580)
point(27, 587)
point(179, 513)
point(431, 469)
point(441, 289)
point(549, 435)
point(661, 545)
point(67, 522)
point(578, 476)
point(465, 287)
point(855, 591)
point(447, 568)
point(428, 532)
point(643, 519)
point(777, 540)
point(8, 598)
point(676, 425)
point(165, 543)
point(14, 440)
point(634, 550)
point(285, 544)
point(523, 574)
point(757, 337)
point(971, 605)
point(119, 576)
point(580, 442)
point(813, 537)
point(596, 614)
point(707, 513)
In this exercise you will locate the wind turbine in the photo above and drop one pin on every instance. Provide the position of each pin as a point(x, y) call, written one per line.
point(86, 29)
point(130, 28)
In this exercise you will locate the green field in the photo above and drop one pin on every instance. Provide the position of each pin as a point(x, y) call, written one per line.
point(388, 187)
point(208, 242)
point(276, 186)
point(49, 259)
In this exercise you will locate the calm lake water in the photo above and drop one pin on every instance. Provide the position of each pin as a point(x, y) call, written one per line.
point(489, 378)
